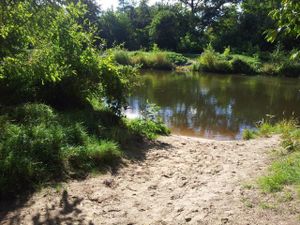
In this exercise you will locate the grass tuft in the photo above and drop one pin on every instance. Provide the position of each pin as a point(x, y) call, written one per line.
point(286, 170)
point(249, 134)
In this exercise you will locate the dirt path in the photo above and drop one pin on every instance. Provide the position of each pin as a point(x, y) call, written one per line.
point(180, 180)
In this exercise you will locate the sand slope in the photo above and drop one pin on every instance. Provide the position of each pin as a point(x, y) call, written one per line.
point(179, 180)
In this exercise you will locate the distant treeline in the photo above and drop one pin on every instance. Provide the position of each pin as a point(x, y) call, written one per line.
point(189, 25)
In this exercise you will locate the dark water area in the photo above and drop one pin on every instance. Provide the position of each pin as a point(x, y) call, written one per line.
point(215, 106)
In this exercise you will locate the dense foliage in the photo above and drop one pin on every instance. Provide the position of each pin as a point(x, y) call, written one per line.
point(48, 56)
point(188, 26)
point(273, 63)
point(63, 89)
point(61, 95)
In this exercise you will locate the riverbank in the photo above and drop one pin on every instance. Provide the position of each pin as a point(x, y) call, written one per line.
point(174, 180)
point(263, 63)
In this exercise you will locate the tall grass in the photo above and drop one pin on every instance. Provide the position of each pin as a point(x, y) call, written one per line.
point(212, 61)
point(280, 63)
point(161, 60)
point(274, 64)
point(39, 144)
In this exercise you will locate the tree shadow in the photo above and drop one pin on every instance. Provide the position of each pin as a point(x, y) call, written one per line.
point(138, 151)
point(68, 211)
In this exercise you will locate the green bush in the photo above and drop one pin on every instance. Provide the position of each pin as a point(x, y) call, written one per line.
point(39, 145)
point(176, 58)
point(148, 128)
point(34, 114)
point(36, 146)
point(291, 69)
point(62, 72)
point(222, 66)
point(242, 66)
point(150, 123)
point(211, 61)
point(281, 63)
point(208, 58)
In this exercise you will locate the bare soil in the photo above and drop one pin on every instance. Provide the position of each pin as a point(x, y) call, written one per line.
point(174, 180)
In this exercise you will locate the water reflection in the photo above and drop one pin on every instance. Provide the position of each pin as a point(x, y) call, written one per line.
point(215, 106)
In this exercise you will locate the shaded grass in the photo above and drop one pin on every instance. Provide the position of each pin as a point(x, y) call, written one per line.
point(39, 144)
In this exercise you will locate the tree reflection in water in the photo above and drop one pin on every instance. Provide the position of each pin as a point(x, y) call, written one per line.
point(216, 106)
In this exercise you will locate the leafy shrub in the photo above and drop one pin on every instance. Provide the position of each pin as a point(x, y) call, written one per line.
point(242, 66)
point(189, 43)
point(282, 63)
point(222, 66)
point(291, 69)
point(177, 58)
point(148, 128)
point(226, 52)
point(36, 145)
point(150, 124)
point(62, 72)
point(210, 61)
point(34, 114)
point(208, 58)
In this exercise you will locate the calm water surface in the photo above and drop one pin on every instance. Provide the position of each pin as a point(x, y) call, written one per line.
point(215, 106)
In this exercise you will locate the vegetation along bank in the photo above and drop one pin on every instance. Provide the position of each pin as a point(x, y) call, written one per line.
point(64, 85)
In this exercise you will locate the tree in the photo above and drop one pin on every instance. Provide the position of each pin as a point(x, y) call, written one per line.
point(50, 57)
point(116, 28)
point(164, 30)
point(207, 10)
point(242, 26)
point(287, 18)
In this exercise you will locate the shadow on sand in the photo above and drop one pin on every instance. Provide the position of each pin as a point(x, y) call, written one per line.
point(67, 211)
